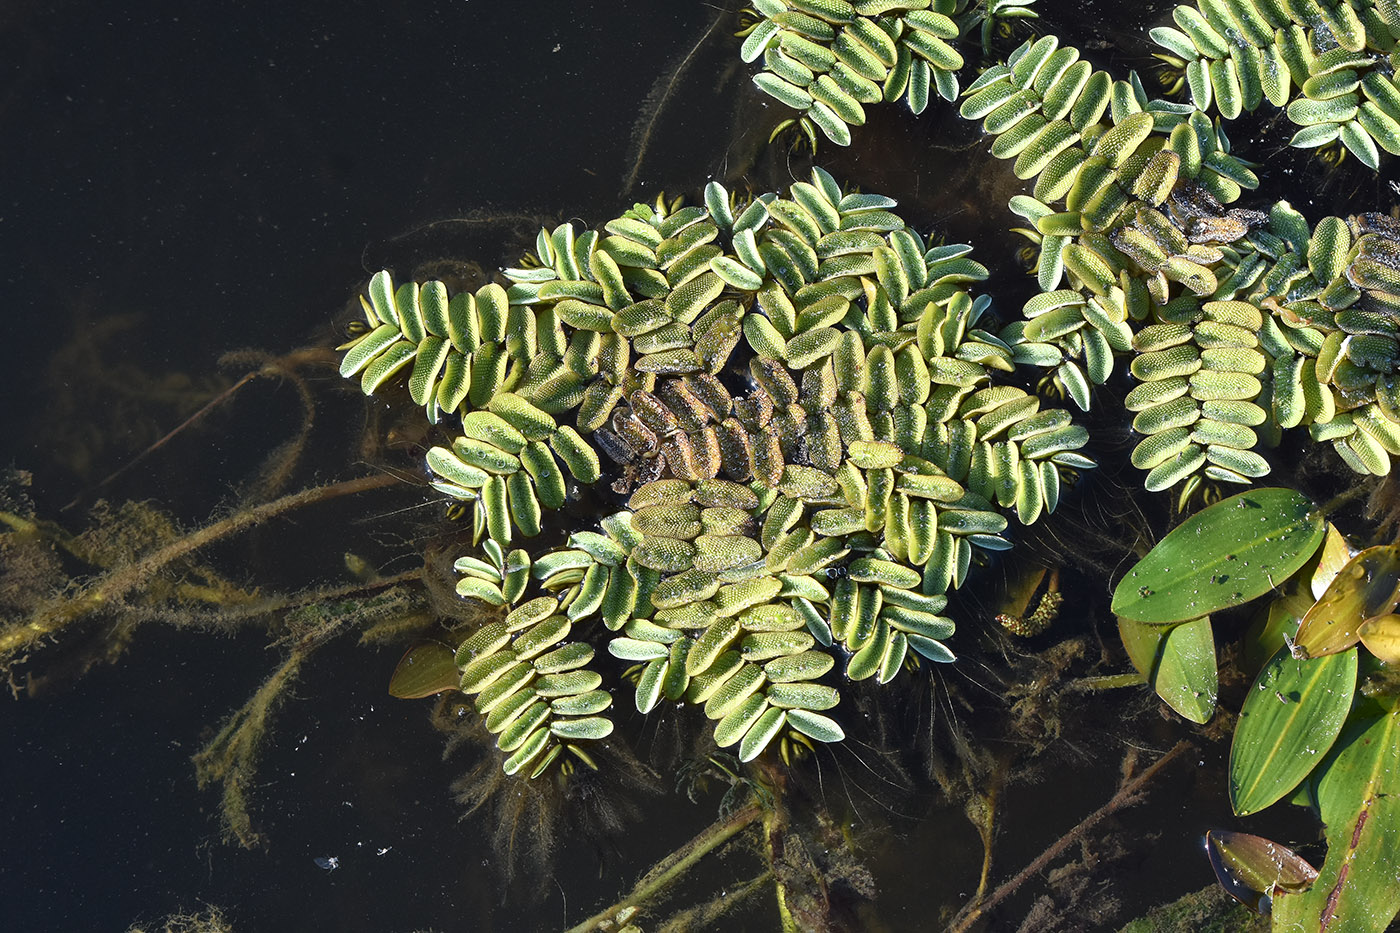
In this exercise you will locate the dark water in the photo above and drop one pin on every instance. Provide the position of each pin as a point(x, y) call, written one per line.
point(217, 177)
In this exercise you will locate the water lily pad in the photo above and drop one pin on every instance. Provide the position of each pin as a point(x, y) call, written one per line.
point(1178, 661)
point(1291, 717)
point(424, 670)
point(1223, 556)
point(1365, 588)
point(1359, 797)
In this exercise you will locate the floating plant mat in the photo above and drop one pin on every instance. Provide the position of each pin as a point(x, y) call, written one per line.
point(706, 508)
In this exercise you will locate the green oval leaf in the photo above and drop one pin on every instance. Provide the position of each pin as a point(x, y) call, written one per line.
point(424, 670)
point(1293, 713)
point(1222, 556)
point(1359, 799)
point(1185, 675)
point(1178, 661)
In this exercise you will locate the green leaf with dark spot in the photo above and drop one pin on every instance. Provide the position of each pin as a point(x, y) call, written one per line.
point(1359, 798)
point(1222, 556)
point(1293, 713)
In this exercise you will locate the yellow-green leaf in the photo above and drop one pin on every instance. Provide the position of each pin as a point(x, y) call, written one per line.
point(1366, 587)
point(424, 670)
point(1381, 636)
point(1331, 559)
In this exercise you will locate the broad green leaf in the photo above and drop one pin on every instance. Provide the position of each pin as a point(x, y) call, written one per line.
point(1359, 795)
point(1290, 719)
point(1178, 661)
point(1142, 642)
point(1222, 556)
point(1254, 869)
point(1366, 587)
point(424, 670)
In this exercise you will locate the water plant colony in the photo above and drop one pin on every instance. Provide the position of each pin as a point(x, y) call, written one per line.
point(740, 454)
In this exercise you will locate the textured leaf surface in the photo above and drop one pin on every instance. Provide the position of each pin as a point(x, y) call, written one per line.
point(1253, 868)
point(1222, 556)
point(1293, 713)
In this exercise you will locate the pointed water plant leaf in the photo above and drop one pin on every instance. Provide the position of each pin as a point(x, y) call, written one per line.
point(1359, 799)
point(1253, 869)
point(1222, 556)
point(1290, 719)
point(1331, 559)
point(1366, 587)
point(1179, 663)
point(426, 669)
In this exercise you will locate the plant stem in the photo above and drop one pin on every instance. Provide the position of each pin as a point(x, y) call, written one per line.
point(676, 864)
point(1109, 682)
point(1336, 502)
point(1124, 797)
point(112, 586)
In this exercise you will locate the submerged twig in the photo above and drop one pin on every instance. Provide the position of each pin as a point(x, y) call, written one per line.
point(705, 916)
point(279, 367)
point(114, 585)
point(656, 101)
point(1127, 791)
point(676, 864)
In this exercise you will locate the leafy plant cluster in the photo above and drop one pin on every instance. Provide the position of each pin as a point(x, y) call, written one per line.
point(1237, 323)
point(1329, 66)
point(814, 423)
point(1319, 724)
point(828, 507)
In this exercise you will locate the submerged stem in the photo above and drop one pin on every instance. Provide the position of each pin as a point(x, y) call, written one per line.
point(1127, 791)
point(676, 864)
point(112, 586)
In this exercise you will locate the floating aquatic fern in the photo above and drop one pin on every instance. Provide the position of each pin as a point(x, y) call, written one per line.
point(1237, 323)
point(831, 505)
point(796, 395)
point(828, 58)
point(1328, 65)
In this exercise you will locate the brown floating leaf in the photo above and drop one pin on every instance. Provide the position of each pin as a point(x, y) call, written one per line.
point(1252, 868)
point(1366, 587)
